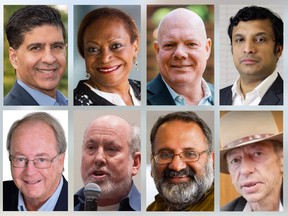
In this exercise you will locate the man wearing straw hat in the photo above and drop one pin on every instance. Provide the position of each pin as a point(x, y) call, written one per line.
point(252, 153)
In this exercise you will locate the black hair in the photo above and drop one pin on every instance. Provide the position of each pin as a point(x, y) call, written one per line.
point(29, 17)
point(258, 13)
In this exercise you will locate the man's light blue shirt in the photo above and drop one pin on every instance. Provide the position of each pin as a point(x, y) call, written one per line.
point(180, 99)
point(49, 205)
point(43, 99)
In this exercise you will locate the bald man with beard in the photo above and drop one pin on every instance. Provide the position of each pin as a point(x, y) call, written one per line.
point(182, 50)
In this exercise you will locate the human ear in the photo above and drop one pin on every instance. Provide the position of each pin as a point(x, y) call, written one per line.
point(13, 57)
point(136, 163)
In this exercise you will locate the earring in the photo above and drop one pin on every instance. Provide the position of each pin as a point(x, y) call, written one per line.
point(87, 75)
point(136, 64)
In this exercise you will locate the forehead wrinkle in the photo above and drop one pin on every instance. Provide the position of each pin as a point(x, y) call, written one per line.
point(100, 133)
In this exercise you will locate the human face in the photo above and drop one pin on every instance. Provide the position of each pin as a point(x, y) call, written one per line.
point(253, 48)
point(33, 140)
point(256, 171)
point(108, 53)
point(177, 180)
point(40, 60)
point(182, 50)
point(106, 159)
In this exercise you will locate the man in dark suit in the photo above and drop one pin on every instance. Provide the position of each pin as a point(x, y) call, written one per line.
point(182, 50)
point(37, 52)
point(256, 36)
point(36, 145)
point(252, 153)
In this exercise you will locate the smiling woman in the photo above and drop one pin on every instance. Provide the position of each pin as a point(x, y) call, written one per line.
point(108, 41)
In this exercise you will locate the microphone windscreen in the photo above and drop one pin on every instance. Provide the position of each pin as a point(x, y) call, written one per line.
point(92, 189)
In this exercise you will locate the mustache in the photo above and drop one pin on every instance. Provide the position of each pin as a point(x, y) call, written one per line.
point(189, 172)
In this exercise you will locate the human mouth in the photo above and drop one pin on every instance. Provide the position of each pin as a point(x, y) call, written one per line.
point(178, 179)
point(99, 175)
point(108, 69)
point(250, 187)
point(31, 182)
point(46, 71)
point(249, 61)
point(180, 66)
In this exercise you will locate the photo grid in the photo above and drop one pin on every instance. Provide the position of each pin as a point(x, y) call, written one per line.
point(145, 106)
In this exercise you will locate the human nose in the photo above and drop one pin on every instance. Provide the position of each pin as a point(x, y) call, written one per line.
point(30, 166)
point(180, 52)
point(247, 166)
point(105, 55)
point(48, 56)
point(177, 164)
point(249, 47)
point(99, 157)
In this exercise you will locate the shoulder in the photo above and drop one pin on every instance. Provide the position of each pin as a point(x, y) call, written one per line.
point(226, 89)
point(237, 204)
point(19, 96)
point(155, 83)
point(10, 193)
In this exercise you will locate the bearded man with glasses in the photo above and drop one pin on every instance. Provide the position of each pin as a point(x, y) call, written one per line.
point(182, 163)
point(36, 145)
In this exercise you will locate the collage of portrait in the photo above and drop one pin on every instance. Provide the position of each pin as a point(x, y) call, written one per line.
point(143, 106)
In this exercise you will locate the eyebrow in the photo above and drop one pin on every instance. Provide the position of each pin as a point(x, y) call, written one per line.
point(43, 44)
point(257, 34)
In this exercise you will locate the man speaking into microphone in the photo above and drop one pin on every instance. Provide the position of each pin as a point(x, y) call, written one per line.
point(110, 158)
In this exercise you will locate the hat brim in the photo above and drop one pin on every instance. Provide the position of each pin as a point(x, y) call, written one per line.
point(223, 162)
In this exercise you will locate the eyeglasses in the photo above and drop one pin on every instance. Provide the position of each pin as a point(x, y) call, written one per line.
point(40, 163)
point(185, 156)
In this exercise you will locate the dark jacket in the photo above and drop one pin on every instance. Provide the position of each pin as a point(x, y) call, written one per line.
point(158, 93)
point(132, 202)
point(19, 96)
point(274, 95)
point(84, 96)
point(239, 203)
point(10, 197)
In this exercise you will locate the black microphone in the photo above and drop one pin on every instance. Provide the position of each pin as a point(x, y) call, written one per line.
point(91, 193)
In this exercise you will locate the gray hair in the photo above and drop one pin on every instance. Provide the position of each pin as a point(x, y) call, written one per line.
point(45, 118)
point(134, 143)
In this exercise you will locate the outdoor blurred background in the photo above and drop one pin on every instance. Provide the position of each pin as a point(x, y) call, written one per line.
point(155, 13)
point(9, 73)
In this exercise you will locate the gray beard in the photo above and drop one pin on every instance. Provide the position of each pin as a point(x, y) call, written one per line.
point(181, 195)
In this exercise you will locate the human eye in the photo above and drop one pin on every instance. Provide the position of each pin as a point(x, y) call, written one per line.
point(192, 44)
point(59, 46)
point(189, 154)
point(41, 160)
point(20, 159)
point(234, 161)
point(115, 46)
point(239, 40)
point(258, 154)
point(90, 148)
point(168, 46)
point(93, 49)
point(260, 39)
point(165, 155)
point(35, 47)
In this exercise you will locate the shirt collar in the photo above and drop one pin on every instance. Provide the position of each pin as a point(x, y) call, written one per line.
point(248, 208)
point(49, 205)
point(259, 91)
point(43, 99)
point(180, 99)
point(115, 98)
